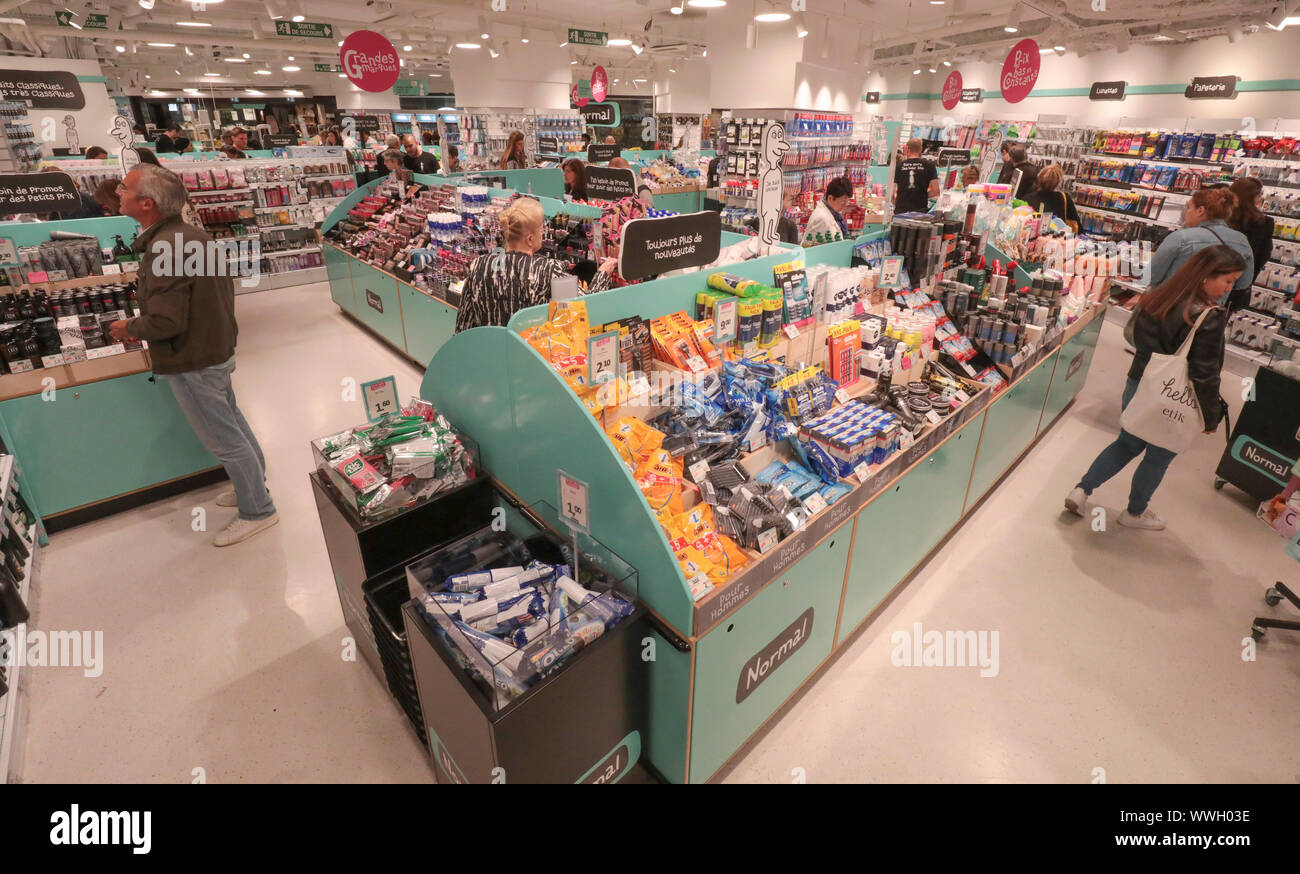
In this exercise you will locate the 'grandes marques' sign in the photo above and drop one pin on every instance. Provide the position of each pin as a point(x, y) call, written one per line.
point(369, 61)
point(1212, 88)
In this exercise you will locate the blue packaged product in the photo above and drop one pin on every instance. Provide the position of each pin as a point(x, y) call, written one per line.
point(832, 493)
point(549, 652)
point(498, 653)
point(767, 474)
point(479, 579)
point(610, 609)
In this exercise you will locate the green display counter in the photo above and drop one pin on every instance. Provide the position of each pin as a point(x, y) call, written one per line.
point(683, 201)
point(724, 665)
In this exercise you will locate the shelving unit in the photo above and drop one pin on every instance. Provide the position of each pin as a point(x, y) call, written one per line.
point(17, 512)
point(20, 151)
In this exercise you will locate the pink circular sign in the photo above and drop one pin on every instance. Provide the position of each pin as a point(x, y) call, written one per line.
point(575, 96)
point(951, 90)
point(599, 85)
point(369, 61)
point(1020, 71)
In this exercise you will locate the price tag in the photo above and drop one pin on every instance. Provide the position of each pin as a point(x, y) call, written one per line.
point(21, 365)
point(380, 396)
point(961, 396)
point(8, 254)
point(861, 472)
point(905, 440)
point(131, 266)
point(51, 360)
point(105, 351)
point(696, 364)
point(891, 272)
point(602, 357)
point(699, 470)
point(573, 502)
point(564, 287)
point(785, 490)
point(767, 539)
point(791, 331)
point(933, 418)
point(700, 586)
point(112, 269)
point(38, 276)
point(814, 504)
point(842, 396)
point(725, 319)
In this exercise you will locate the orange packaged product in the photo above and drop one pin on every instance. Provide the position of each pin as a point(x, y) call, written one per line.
point(695, 528)
point(660, 480)
point(634, 440)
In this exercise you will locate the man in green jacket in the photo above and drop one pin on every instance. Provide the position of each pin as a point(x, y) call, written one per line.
point(187, 314)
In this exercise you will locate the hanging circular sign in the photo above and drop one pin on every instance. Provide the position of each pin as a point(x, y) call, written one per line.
point(369, 61)
point(1020, 71)
point(599, 85)
point(951, 90)
point(581, 93)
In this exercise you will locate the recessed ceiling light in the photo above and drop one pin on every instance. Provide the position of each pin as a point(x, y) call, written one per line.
point(406, 48)
point(261, 72)
point(671, 70)
point(291, 57)
point(933, 70)
point(300, 18)
point(916, 72)
point(678, 9)
point(772, 16)
point(947, 63)
point(620, 41)
point(192, 91)
point(706, 4)
point(235, 61)
point(434, 75)
point(162, 45)
point(467, 45)
point(193, 24)
point(247, 55)
point(212, 74)
point(119, 48)
point(147, 76)
point(292, 93)
point(291, 69)
point(571, 63)
point(188, 53)
point(343, 75)
point(255, 92)
point(1011, 28)
point(340, 43)
point(485, 35)
point(157, 93)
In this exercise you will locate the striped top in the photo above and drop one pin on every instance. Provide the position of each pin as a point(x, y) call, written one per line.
point(491, 297)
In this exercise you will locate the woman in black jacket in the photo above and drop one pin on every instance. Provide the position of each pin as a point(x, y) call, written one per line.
point(1163, 317)
point(1258, 228)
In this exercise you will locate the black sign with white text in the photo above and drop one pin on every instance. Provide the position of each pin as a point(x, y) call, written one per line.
point(600, 153)
point(375, 301)
point(46, 89)
point(364, 124)
point(972, 95)
point(654, 246)
point(871, 97)
point(600, 114)
point(275, 140)
point(1212, 88)
point(954, 157)
point(1107, 90)
point(610, 183)
point(38, 192)
point(548, 146)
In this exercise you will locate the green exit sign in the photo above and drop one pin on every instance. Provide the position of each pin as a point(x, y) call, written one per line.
point(410, 88)
point(92, 21)
point(316, 29)
point(329, 68)
point(588, 37)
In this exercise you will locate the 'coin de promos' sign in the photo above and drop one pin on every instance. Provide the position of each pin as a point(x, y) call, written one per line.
point(46, 89)
point(610, 183)
point(599, 84)
point(951, 90)
point(972, 95)
point(601, 114)
point(369, 61)
point(1107, 90)
point(37, 192)
point(1212, 88)
point(599, 153)
point(1020, 71)
point(653, 246)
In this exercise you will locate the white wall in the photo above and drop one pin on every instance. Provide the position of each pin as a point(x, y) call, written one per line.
point(758, 78)
point(92, 121)
point(687, 90)
point(537, 74)
point(1262, 56)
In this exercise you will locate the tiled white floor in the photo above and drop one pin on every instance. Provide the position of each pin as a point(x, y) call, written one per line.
point(1118, 650)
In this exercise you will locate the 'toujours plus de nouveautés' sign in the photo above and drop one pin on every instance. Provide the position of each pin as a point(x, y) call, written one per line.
point(658, 245)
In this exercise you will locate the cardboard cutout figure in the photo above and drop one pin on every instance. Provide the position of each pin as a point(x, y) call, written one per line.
point(74, 139)
point(774, 146)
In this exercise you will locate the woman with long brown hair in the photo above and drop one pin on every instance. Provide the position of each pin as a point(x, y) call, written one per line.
point(513, 158)
point(1255, 225)
point(575, 179)
point(1205, 223)
point(1163, 318)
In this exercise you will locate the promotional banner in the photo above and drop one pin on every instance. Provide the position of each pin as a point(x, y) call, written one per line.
point(38, 192)
point(610, 183)
point(46, 89)
point(1020, 71)
point(599, 84)
point(369, 61)
point(654, 246)
point(951, 90)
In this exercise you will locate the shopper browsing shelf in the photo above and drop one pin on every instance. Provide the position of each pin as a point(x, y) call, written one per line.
point(453, 159)
point(393, 160)
point(1205, 223)
point(575, 179)
point(394, 142)
point(826, 222)
point(189, 322)
point(1255, 226)
point(416, 159)
point(1007, 168)
point(499, 284)
point(970, 174)
point(1051, 199)
point(1163, 319)
point(166, 143)
point(514, 158)
point(1028, 172)
point(96, 153)
point(915, 181)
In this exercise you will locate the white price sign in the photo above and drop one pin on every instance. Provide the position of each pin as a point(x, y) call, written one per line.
point(602, 358)
point(699, 470)
point(725, 319)
point(842, 396)
point(380, 396)
point(573, 502)
point(791, 331)
point(814, 504)
point(767, 540)
point(700, 586)
point(696, 364)
point(861, 472)
point(905, 440)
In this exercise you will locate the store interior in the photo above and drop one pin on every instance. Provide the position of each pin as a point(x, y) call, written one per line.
point(761, 483)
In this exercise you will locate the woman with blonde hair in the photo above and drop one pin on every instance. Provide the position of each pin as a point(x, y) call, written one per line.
point(513, 158)
point(501, 283)
point(1050, 198)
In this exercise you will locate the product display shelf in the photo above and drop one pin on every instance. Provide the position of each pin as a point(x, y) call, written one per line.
point(812, 590)
point(13, 706)
point(20, 151)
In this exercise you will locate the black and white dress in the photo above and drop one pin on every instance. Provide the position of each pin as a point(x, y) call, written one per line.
point(499, 285)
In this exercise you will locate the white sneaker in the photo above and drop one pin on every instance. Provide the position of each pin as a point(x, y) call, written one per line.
point(1076, 501)
point(1148, 521)
point(227, 499)
point(242, 529)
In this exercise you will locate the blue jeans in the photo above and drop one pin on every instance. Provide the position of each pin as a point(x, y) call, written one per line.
point(208, 400)
point(1116, 456)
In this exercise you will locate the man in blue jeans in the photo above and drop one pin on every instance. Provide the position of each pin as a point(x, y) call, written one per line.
point(187, 315)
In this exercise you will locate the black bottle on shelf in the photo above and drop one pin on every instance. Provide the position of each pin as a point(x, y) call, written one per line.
point(25, 309)
point(9, 308)
point(121, 252)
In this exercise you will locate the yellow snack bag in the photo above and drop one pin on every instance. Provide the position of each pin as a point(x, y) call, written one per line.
point(660, 480)
point(634, 440)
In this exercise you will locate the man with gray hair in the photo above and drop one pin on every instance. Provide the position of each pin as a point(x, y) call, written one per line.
point(189, 322)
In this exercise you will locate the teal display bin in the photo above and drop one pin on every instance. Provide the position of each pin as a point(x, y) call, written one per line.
point(1009, 427)
point(749, 664)
point(1072, 366)
point(338, 270)
point(427, 322)
point(378, 304)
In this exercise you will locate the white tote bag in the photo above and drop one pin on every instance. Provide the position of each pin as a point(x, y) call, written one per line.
point(1164, 410)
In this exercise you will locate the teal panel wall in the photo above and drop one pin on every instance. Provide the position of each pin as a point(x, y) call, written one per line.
point(35, 233)
point(904, 522)
point(720, 724)
point(338, 269)
point(670, 699)
point(388, 323)
point(1072, 365)
point(684, 201)
point(132, 424)
point(428, 321)
point(1010, 424)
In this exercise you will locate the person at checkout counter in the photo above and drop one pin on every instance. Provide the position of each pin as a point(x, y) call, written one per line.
point(826, 220)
